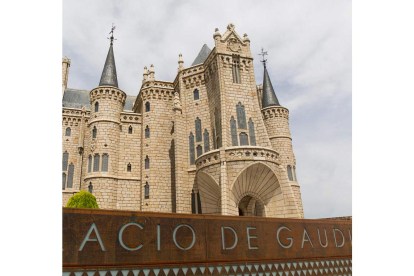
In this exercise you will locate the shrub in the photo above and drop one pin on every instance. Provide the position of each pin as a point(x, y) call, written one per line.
point(83, 199)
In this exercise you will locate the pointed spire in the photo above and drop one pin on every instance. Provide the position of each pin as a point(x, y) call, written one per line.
point(109, 71)
point(269, 96)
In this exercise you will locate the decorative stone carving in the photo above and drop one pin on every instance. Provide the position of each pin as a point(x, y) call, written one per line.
point(177, 102)
point(233, 45)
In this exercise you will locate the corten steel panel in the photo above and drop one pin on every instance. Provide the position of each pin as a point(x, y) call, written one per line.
point(208, 245)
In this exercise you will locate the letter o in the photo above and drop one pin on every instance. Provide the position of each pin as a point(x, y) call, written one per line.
point(281, 244)
point(122, 231)
point(175, 233)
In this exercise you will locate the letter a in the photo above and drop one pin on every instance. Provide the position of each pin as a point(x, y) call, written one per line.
point(87, 238)
point(307, 239)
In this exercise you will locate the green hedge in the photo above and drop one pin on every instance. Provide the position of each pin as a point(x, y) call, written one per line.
point(83, 199)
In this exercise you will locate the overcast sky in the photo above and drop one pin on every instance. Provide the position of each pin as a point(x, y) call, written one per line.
point(309, 62)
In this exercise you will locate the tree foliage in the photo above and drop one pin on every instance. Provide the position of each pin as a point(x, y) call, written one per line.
point(83, 199)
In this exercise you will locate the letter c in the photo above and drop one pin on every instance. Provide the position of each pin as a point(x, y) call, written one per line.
point(122, 231)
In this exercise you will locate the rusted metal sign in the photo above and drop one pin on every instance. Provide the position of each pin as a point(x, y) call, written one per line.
point(103, 238)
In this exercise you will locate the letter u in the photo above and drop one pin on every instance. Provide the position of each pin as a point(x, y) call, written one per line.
point(326, 238)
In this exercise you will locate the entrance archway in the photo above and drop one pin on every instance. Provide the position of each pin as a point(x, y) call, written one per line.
point(253, 189)
point(251, 206)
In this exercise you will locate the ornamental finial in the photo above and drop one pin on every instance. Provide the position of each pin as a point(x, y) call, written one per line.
point(264, 60)
point(112, 34)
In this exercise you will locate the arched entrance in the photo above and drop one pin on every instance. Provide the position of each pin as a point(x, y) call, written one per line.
point(251, 206)
point(253, 190)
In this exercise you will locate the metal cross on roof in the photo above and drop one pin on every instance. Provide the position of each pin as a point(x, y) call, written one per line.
point(263, 54)
point(112, 34)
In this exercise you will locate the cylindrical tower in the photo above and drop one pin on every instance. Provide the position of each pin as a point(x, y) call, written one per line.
point(107, 102)
point(276, 120)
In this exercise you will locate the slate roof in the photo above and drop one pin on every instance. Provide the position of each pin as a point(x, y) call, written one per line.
point(202, 55)
point(75, 98)
point(269, 96)
point(109, 71)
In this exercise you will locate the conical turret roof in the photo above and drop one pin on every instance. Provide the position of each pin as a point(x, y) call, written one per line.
point(109, 71)
point(202, 55)
point(269, 97)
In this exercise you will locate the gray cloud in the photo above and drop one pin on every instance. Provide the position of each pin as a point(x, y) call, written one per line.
point(309, 46)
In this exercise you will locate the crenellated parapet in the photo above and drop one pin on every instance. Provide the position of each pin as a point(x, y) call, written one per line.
point(275, 111)
point(107, 92)
point(73, 117)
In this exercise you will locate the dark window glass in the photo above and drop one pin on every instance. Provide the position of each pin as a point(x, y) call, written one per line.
point(96, 107)
point(233, 130)
point(244, 139)
point(90, 163)
point(206, 141)
point(251, 133)
point(104, 163)
point(146, 190)
point(294, 172)
point(63, 180)
point(90, 187)
point(198, 130)
point(214, 139)
point(241, 116)
point(191, 145)
point(199, 203)
point(129, 167)
point(289, 170)
point(68, 131)
point(96, 163)
point(130, 130)
point(196, 95)
point(94, 132)
point(65, 161)
point(193, 204)
point(199, 150)
point(147, 162)
point(147, 132)
point(147, 107)
point(70, 175)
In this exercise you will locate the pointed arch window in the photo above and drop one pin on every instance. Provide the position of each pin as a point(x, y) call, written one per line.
point(130, 130)
point(63, 180)
point(68, 131)
point(196, 94)
point(89, 163)
point(289, 171)
point(147, 162)
point(214, 138)
point(236, 71)
point(191, 145)
point(147, 107)
point(129, 167)
point(147, 132)
point(217, 122)
point(147, 194)
point(65, 161)
point(241, 116)
point(251, 133)
point(104, 162)
point(198, 130)
point(90, 187)
point(94, 132)
point(199, 150)
point(206, 141)
point(233, 130)
point(70, 175)
point(244, 139)
point(96, 107)
point(96, 163)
